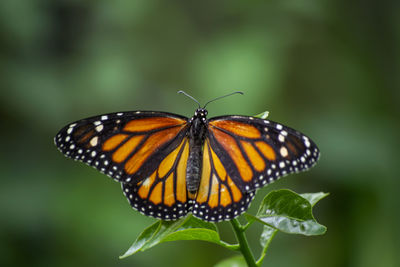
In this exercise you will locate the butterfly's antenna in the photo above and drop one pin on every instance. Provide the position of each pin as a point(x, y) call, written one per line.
point(194, 99)
point(237, 92)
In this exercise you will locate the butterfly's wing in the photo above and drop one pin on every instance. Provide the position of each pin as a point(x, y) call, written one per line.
point(127, 146)
point(219, 196)
point(163, 194)
point(255, 151)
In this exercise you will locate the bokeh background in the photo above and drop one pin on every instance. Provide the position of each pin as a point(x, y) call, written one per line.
point(329, 68)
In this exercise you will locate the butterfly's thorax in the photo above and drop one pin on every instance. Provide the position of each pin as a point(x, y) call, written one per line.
point(196, 135)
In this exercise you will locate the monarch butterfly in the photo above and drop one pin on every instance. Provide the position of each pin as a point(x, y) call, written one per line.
point(170, 165)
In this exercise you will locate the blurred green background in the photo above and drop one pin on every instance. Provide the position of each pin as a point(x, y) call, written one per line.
point(328, 68)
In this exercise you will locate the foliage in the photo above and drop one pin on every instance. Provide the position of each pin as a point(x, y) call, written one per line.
point(280, 211)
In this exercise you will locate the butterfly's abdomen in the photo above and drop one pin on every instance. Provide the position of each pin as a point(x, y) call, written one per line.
point(193, 170)
point(194, 163)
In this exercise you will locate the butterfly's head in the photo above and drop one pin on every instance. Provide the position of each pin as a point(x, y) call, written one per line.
point(200, 113)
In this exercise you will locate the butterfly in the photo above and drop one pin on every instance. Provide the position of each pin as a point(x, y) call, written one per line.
point(170, 165)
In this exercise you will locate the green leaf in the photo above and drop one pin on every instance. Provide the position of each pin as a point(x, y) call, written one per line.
point(262, 115)
point(142, 239)
point(313, 198)
point(289, 212)
point(188, 228)
point(267, 233)
point(236, 261)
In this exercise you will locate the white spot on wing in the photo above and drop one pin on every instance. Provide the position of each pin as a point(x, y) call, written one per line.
point(283, 151)
point(94, 141)
point(99, 128)
point(306, 142)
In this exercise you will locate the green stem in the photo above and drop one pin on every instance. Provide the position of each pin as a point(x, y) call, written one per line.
point(264, 252)
point(244, 245)
point(247, 225)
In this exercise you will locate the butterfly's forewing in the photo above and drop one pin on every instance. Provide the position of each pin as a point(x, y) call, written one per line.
point(218, 197)
point(256, 151)
point(127, 146)
point(163, 194)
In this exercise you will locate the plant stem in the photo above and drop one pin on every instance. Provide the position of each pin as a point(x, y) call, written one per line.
point(244, 245)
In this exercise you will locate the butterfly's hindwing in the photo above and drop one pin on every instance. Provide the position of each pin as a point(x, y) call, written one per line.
point(163, 194)
point(218, 197)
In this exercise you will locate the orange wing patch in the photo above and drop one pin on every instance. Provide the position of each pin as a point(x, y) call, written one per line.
point(218, 166)
point(152, 123)
point(123, 152)
point(216, 187)
point(152, 144)
point(238, 128)
point(156, 194)
point(114, 141)
point(214, 193)
point(225, 196)
point(168, 190)
point(181, 174)
point(236, 193)
point(231, 147)
point(169, 196)
point(202, 194)
point(145, 186)
point(254, 157)
point(266, 149)
point(167, 164)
